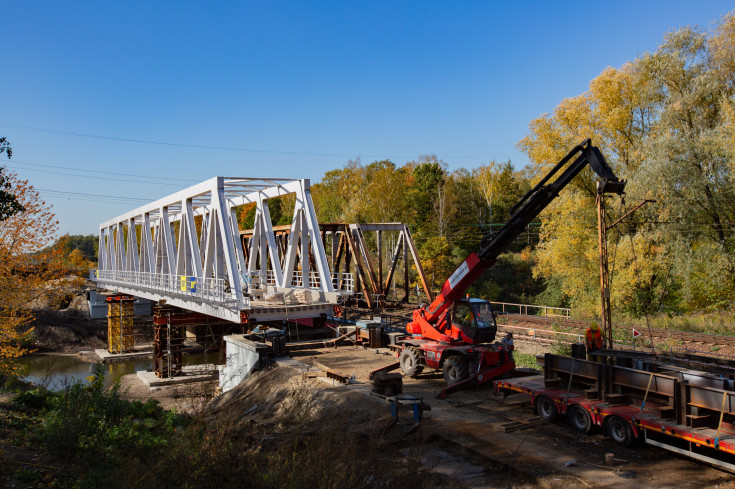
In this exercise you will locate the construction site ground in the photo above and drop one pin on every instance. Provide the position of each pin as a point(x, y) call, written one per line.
point(479, 438)
point(473, 423)
point(474, 437)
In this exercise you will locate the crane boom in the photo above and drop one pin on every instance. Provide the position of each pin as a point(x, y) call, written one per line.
point(495, 243)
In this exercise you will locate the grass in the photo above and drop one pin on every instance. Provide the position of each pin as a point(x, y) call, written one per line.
point(106, 441)
point(721, 322)
point(527, 360)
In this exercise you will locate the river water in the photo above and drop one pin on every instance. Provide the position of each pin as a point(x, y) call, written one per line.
point(57, 371)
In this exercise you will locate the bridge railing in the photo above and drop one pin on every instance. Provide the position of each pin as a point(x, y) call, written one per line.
point(203, 288)
point(532, 310)
point(340, 281)
point(343, 281)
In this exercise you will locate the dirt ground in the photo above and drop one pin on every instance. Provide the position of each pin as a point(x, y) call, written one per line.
point(540, 454)
point(462, 438)
point(68, 330)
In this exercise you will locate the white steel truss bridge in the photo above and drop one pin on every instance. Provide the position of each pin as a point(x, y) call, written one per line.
point(186, 249)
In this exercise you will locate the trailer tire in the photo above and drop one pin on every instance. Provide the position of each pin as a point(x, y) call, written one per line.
point(409, 361)
point(580, 419)
point(620, 431)
point(546, 408)
point(455, 369)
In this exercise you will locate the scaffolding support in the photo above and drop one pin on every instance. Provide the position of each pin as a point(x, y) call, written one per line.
point(120, 334)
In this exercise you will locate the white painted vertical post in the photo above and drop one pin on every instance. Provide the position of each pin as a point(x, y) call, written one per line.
point(225, 226)
point(320, 255)
point(167, 241)
point(270, 240)
point(290, 262)
point(193, 254)
point(305, 269)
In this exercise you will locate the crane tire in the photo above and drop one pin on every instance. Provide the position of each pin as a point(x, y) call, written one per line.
point(455, 369)
point(409, 361)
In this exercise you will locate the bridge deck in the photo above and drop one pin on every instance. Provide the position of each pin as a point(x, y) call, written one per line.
point(223, 307)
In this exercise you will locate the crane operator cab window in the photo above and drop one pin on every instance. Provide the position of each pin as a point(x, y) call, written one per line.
point(476, 320)
point(464, 315)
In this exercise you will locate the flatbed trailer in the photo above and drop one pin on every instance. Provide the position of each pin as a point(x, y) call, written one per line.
point(686, 412)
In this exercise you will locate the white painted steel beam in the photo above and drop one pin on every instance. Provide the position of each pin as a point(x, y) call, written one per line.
point(186, 249)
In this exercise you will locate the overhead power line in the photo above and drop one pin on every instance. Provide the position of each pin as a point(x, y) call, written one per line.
point(66, 193)
point(211, 147)
point(114, 173)
point(108, 178)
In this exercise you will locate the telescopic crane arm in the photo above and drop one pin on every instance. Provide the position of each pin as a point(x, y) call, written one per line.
point(525, 211)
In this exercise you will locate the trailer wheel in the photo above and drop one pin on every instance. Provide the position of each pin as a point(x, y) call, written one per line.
point(580, 419)
point(620, 431)
point(409, 361)
point(455, 369)
point(546, 408)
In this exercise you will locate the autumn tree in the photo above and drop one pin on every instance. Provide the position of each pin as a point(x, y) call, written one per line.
point(29, 268)
point(665, 122)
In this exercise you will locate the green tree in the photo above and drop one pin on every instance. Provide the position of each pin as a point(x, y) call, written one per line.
point(87, 245)
point(9, 204)
point(426, 176)
point(665, 122)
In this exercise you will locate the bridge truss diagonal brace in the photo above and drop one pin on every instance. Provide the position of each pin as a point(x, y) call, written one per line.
point(187, 244)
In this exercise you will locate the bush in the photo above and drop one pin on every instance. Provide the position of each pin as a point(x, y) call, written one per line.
point(113, 443)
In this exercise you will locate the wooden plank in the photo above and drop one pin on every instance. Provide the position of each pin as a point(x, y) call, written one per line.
point(282, 228)
point(382, 226)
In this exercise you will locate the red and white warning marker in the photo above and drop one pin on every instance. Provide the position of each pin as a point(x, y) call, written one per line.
point(636, 333)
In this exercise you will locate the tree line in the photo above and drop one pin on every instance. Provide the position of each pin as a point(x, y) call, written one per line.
point(665, 121)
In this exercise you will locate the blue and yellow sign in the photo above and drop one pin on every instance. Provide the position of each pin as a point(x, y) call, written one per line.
point(188, 284)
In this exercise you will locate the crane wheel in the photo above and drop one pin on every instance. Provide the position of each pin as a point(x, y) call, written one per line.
point(409, 361)
point(455, 369)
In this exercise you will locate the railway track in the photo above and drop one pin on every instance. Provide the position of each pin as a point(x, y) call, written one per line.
point(684, 336)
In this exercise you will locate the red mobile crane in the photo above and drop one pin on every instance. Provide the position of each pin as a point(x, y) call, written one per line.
point(453, 334)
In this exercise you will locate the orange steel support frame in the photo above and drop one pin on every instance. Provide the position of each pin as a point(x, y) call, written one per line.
point(349, 250)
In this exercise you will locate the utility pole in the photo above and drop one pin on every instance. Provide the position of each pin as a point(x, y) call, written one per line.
point(606, 313)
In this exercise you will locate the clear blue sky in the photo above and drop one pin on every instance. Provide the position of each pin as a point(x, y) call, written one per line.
point(294, 89)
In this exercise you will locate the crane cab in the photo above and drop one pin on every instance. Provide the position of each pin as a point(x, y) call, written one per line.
point(473, 321)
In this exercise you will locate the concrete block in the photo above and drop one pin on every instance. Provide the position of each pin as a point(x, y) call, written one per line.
point(98, 306)
point(243, 357)
point(189, 374)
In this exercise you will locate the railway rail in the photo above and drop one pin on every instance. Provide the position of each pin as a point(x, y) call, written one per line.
point(684, 336)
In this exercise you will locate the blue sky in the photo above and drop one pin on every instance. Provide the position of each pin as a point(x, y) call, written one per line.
point(291, 89)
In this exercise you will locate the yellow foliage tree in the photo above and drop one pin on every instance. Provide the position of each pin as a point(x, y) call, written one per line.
point(29, 269)
point(665, 122)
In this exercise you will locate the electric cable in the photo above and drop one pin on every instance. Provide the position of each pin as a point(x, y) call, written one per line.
point(211, 147)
